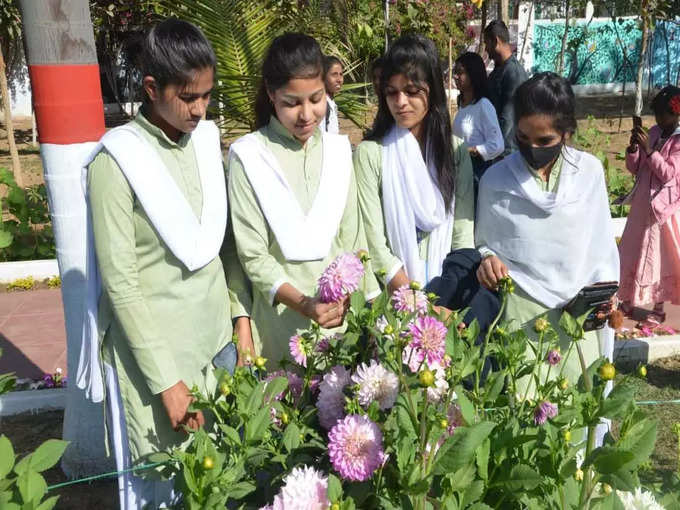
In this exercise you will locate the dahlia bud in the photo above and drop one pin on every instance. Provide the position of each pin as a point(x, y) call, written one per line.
point(541, 325)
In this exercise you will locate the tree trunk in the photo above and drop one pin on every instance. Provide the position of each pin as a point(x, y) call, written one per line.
point(482, 26)
point(450, 74)
point(7, 107)
point(565, 37)
point(503, 12)
point(641, 62)
point(69, 112)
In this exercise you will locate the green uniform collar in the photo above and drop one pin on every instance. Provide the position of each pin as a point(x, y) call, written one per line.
point(279, 133)
point(143, 121)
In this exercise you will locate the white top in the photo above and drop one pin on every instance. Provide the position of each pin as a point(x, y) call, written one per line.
point(331, 117)
point(477, 125)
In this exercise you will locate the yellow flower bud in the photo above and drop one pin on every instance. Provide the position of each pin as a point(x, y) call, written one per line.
point(426, 378)
point(444, 424)
point(414, 285)
point(335, 506)
point(564, 383)
point(208, 462)
point(363, 256)
point(260, 362)
point(285, 418)
point(541, 325)
point(607, 371)
point(225, 389)
point(578, 475)
point(566, 434)
point(389, 329)
point(606, 488)
point(642, 371)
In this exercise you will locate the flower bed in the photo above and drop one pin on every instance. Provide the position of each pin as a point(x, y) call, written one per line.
point(399, 411)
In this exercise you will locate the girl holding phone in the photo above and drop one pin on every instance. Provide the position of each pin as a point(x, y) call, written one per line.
point(650, 245)
point(544, 218)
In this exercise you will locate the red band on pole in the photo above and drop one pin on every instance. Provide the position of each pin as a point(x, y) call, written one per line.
point(68, 103)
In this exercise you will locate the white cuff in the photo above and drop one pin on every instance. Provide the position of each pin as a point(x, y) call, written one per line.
point(486, 252)
point(393, 272)
point(275, 289)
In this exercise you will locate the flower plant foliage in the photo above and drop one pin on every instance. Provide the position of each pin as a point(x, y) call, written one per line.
point(398, 411)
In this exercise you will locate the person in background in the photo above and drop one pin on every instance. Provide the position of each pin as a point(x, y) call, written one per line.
point(333, 80)
point(293, 199)
point(376, 71)
point(507, 75)
point(543, 219)
point(414, 178)
point(475, 121)
point(158, 206)
point(650, 245)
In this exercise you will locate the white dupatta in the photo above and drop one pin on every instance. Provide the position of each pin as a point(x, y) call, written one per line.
point(302, 237)
point(195, 243)
point(412, 200)
point(553, 244)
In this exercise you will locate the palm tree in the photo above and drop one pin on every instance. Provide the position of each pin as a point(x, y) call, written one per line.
point(241, 31)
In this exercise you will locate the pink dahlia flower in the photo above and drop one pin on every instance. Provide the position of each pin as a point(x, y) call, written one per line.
point(355, 448)
point(428, 344)
point(408, 300)
point(331, 401)
point(299, 349)
point(544, 411)
point(553, 357)
point(376, 383)
point(340, 278)
point(304, 489)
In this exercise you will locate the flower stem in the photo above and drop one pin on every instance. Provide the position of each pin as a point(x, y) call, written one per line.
point(586, 488)
point(487, 337)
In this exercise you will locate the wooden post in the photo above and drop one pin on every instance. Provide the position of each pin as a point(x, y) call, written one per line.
point(9, 127)
point(450, 74)
point(482, 26)
point(503, 14)
point(565, 37)
point(643, 52)
point(67, 100)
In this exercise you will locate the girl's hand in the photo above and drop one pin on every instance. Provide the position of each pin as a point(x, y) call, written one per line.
point(327, 315)
point(632, 144)
point(244, 346)
point(642, 139)
point(491, 271)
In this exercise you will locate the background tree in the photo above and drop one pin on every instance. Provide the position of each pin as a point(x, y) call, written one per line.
point(11, 69)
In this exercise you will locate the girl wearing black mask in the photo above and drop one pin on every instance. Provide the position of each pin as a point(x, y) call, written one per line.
point(543, 218)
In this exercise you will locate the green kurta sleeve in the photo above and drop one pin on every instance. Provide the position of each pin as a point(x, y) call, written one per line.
point(368, 170)
point(111, 202)
point(464, 209)
point(251, 229)
point(240, 292)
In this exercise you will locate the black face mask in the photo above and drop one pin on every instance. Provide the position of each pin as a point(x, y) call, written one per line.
point(538, 157)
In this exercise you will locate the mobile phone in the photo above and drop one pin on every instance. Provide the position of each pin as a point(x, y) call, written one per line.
point(592, 299)
point(637, 121)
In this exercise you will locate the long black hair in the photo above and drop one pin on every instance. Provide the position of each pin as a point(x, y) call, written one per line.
point(547, 94)
point(416, 57)
point(475, 69)
point(290, 56)
point(173, 51)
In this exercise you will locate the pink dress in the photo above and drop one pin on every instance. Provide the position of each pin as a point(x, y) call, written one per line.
point(650, 245)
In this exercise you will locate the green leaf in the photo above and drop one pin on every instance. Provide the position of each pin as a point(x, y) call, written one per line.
point(291, 437)
point(32, 486)
point(241, 489)
point(466, 407)
point(483, 454)
point(275, 387)
point(6, 239)
point(571, 326)
point(618, 401)
point(640, 440)
point(608, 459)
point(6, 456)
point(16, 196)
point(257, 426)
point(48, 454)
point(231, 433)
point(357, 301)
point(334, 488)
point(459, 449)
point(522, 477)
point(48, 504)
